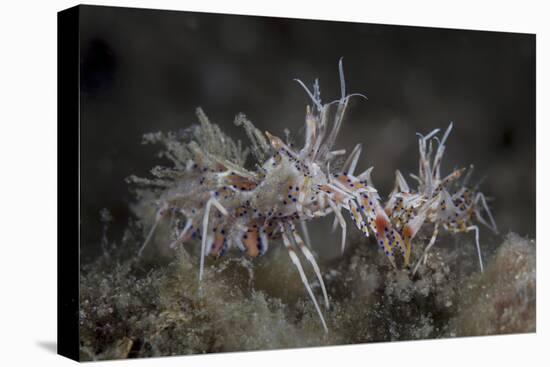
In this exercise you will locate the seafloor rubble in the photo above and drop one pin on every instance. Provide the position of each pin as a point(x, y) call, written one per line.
point(152, 306)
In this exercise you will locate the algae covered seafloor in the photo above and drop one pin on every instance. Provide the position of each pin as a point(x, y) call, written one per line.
point(152, 306)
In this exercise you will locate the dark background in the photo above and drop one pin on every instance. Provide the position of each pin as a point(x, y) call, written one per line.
point(147, 70)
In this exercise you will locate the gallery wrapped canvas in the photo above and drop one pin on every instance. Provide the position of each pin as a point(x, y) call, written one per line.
point(255, 183)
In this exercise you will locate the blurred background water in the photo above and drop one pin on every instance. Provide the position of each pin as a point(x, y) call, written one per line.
point(147, 70)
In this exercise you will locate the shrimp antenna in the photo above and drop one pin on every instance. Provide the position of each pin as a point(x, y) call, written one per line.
point(317, 102)
point(342, 79)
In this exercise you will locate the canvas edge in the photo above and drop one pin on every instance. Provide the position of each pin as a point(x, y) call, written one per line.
point(68, 187)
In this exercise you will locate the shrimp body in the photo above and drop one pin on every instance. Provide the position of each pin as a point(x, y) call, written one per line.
point(214, 194)
point(438, 201)
point(213, 198)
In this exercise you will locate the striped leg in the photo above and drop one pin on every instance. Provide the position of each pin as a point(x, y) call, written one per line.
point(342, 222)
point(158, 217)
point(476, 230)
point(427, 249)
point(209, 203)
point(296, 261)
point(309, 256)
point(184, 235)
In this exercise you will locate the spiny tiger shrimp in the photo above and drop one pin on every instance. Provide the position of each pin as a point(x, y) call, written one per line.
point(212, 197)
point(454, 205)
point(433, 203)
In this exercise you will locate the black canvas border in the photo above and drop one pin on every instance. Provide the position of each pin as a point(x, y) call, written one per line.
point(68, 182)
